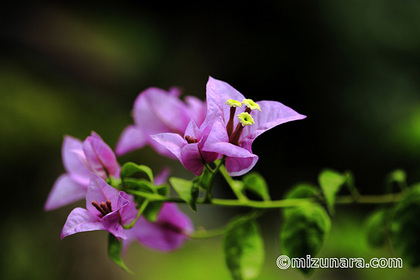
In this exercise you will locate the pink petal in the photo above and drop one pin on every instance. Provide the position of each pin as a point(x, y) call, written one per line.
point(162, 177)
point(197, 109)
point(80, 220)
point(240, 166)
point(111, 223)
point(170, 110)
point(132, 138)
point(100, 157)
point(161, 149)
point(126, 207)
point(174, 91)
point(171, 141)
point(64, 192)
point(74, 163)
point(167, 233)
point(156, 111)
point(238, 160)
point(144, 114)
point(191, 159)
point(217, 134)
point(98, 190)
point(217, 93)
point(193, 130)
point(272, 113)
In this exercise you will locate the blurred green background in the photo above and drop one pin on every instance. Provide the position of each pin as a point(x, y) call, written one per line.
point(72, 67)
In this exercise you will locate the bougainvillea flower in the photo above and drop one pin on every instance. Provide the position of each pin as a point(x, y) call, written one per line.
point(168, 232)
point(237, 122)
point(158, 111)
point(227, 130)
point(80, 159)
point(106, 209)
point(188, 149)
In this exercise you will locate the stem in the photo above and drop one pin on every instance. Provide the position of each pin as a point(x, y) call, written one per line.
point(232, 184)
point(261, 204)
point(149, 196)
point(370, 199)
point(341, 200)
point(282, 203)
point(203, 233)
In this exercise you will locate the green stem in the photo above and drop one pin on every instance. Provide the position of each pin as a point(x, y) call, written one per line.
point(370, 199)
point(203, 234)
point(233, 185)
point(283, 203)
point(147, 195)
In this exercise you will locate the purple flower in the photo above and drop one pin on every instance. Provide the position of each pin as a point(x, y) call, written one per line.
point(106, 209)
point(157, 111)
point(80, 159)
point(227, 130)
point(235, 129)
point(188, 149)
point(168, 232)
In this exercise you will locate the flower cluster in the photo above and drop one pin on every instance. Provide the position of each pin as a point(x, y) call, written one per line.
point(89, 165)
point(226, 131)
point(193, 131)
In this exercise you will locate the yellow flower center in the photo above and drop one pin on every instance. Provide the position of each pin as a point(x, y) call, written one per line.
point(233, 103)
point(251, 104)
point(246, 119)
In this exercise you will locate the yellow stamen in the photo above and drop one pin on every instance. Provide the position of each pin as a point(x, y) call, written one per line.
point(251, 104)
point(233, 103)
point(245, 119)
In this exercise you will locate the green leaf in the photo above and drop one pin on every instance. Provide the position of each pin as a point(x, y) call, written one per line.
point(145, 187)
point(301, 190)
point(114, 252)
point(255, 182)
point(376, 228)
point(331, 182)
point(130, 169)
point(243, 249)
point(139, 185)
point(405, 227)
point(304, 232)
point(205, 179)
point(187, 191)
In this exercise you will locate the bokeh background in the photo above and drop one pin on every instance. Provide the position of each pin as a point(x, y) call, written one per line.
point(71, 67)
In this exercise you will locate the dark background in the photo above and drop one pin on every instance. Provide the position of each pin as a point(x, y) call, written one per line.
point(352, 67)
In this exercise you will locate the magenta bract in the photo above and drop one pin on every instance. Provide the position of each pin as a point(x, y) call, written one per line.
point(106, 209)
point(158, 111)
point(166, 234)
point(222, 133)
point(80, 159)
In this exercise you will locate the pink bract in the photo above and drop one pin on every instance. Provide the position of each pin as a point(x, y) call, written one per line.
point(158, 111)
